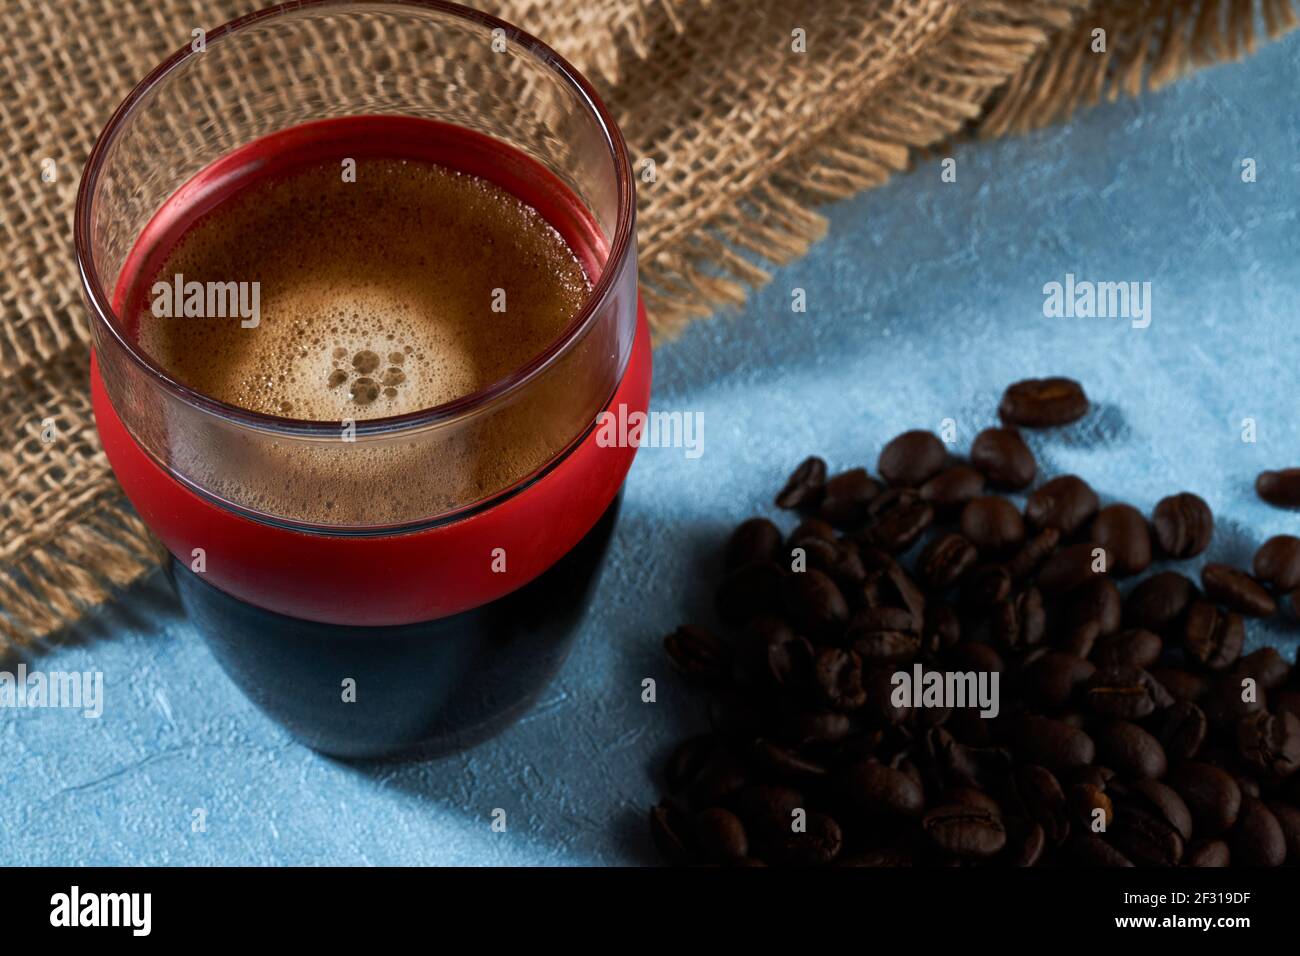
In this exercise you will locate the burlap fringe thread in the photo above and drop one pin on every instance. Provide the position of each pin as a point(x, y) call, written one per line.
point(1008, 66)
point(1032, 61)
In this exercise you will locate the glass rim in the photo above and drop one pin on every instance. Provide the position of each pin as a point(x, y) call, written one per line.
point(603, 289)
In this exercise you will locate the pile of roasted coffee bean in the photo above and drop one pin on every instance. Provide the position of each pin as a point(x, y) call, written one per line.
point(1131, 729)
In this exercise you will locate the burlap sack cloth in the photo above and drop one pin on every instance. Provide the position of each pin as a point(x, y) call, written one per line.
point(748, 138)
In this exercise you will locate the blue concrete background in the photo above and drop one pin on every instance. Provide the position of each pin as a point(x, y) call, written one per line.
point(923, 303)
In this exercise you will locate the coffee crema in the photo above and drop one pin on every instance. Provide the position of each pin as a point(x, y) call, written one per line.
point(411, 286)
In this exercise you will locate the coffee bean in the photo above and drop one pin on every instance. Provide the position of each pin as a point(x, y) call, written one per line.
point(1066, 503)
point(698, 655)
point(1122, 531)
point(945, 560)
point(754, 541)
point(1146, 839)
point(671, 832)
point(805, 486)
point(768, 809)
point(1044, 801)
point(1257, 839)
point(1131, 750)
point(1020, 622)
point(1267, 666)
point(901, 517)
point(776, 654)
point(1159, 800)
point(1281, 488)
point(1090, 807)
point(1182, 684)
point(877, 789)
point(813, 527)
point(992, 524)
point(814, 603)
point(912, 458)
point(1205, 853)
point(1183, 525)
point(1212, 796)
point(720, 835)
point(1091, 850)
point(1288, 819)
point(1125, 693)
point(1052, 680)
point(884, 635)
point(1071, 567)
point(1097, 599)
point(817, 845)
point(1270, 743)
point(688, 760)
point(1042, 403)
point(1160, 601)
point(846, 496)
point(1026, 842)
point(1134, 648)
point(1181, 729)
point(1004, 458)
point(785, 763)
point(837, 675)
point(1212, 638)
point(949, 490)
point(1033, 553)
point(1237, 591)
point(965, 831)
point(1053, 743)
point(1277, 562)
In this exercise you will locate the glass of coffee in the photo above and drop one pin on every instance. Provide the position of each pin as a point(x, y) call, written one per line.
point(362, 281)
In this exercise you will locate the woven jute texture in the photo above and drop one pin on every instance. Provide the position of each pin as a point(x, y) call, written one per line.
point(753, 112)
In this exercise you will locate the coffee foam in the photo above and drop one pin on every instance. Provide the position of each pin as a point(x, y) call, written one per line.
point(376, 295)
point(376, 300)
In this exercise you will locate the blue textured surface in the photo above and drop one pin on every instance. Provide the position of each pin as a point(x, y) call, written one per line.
point(924, 301)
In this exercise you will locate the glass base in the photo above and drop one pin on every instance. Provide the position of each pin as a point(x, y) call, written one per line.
point(417, 690)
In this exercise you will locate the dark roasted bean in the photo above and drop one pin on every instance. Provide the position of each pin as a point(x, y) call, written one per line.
point(1281, 488)
point(1096, 600)
point(671, 832)
point(1270, 743)
point(1071, 567)
point(755, 540)
point(698, 655)
point(899, 521)
point(749, 592)
point(814, 603)
point(846, 496)
point(1123, 532)
point(720, 835)
point(1257, 838)
point(1277, 562)
point(1004, 458)
point(1288, 818)
point(1212, 796)
point(1237, 591)
point(1053, 743)
point(1125, 693)
point(945, 560)
point(1134, 648)
point(1043, 402)
point(1211, 637)
point(877, 789)
point(817, 844)
point(912, 458)
point(837, 675)
point(1131, 750)
point(1181, 729)
point(949, 490)
point(993, 525)
point(1207, 853)
point(805, 486)
point(1160, 601)
point(1052, 680)
point(965, 830)
point(1033, 553)
point(1066, 503)
point(1183, 525)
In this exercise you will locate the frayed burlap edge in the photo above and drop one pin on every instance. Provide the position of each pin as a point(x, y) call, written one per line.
point(1011, 67)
